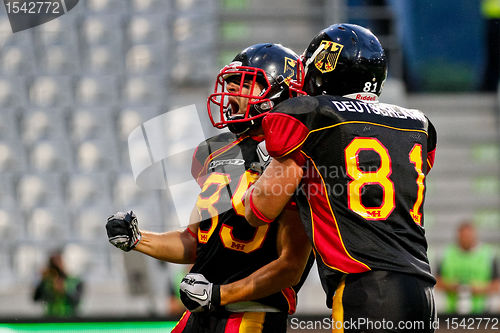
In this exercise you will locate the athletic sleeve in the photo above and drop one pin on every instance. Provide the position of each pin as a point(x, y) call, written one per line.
point(286, 127)
point(284, 134)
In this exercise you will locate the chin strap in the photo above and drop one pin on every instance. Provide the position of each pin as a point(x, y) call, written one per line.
point(240, 128)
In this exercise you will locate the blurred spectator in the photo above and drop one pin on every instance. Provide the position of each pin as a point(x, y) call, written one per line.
point(491, 13)
point(58, 291)
point(468, 273)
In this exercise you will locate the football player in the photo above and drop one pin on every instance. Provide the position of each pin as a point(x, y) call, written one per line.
point(254, 272)
point(359, 169)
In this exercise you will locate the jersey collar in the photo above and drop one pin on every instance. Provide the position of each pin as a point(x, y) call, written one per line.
point(364, 96)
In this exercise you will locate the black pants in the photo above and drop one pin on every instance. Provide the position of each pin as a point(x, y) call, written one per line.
point(382, 301)
point(232, 322)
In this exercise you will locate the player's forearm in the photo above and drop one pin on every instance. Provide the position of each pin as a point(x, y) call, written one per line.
point(269, 195)
point(268, 280)
point(173, 246)
point(293, 249)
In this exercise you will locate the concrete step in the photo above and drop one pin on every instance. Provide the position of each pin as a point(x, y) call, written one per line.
point(434, 104)
point(470, 159)
point(480, 187)
point(450, 201)
point(463, 128)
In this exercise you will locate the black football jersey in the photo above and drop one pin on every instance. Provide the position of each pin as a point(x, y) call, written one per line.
point(362, 195)
point(229, 248)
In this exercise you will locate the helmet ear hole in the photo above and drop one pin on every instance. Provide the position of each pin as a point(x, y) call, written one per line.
point(319, 81)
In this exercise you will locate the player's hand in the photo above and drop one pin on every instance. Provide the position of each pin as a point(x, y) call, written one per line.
point(198, 294)
point(123, 231)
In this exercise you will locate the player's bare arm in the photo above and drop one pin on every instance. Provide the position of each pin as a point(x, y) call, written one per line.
point(177, 246)
point(293, 248)
point(267, 198)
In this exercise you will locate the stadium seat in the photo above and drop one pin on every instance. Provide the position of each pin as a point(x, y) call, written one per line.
point(39, 123)
point(48, 223)
point(87, 188)
point(35, 125)
point(76, 258)
point(38, 190)
point(50, 91)
point(106, 6)
point(101, 29)
point(127, 194)
point(50, 156)
point(91, 123)
point(145, 59)
point(59, 59)
point(10, 225)
point(148, 6)
point(102, 59)
point(149, 215)
point(97, 263)
point(130, 118)
point(8, 198)
point(127, 120)
point(7, 274)
point(9, 126)
point(12, 156)
point(97, 155)
point(144, 90)
point(146, 29)
point(90, 222)
point(28, 261)
point(52, 32)
point(125, 190)
point(198, 6)
point(17, 60)
point(12, 92)
point(96, 90)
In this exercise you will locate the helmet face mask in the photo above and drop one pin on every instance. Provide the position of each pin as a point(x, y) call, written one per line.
point(238, 91)
point(345, 59)
point(248, 88)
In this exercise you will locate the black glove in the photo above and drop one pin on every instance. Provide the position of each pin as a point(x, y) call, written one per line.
point(198, 294)
point(123, 231)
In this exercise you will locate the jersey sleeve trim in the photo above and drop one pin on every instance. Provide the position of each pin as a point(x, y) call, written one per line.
point(257, 212)
point(367, 122)
point(191, 233)
point(291, 299)
point(284, 134)
point(196, 166)
point(430, 159)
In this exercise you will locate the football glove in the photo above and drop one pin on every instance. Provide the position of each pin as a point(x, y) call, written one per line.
point(123, 231)
point(198, 294)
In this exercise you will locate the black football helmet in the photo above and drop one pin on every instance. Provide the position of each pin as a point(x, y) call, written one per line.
point(274, 68)
point(344, 59)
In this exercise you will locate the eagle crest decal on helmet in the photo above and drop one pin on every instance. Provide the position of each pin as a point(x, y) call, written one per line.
point(328, 55)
